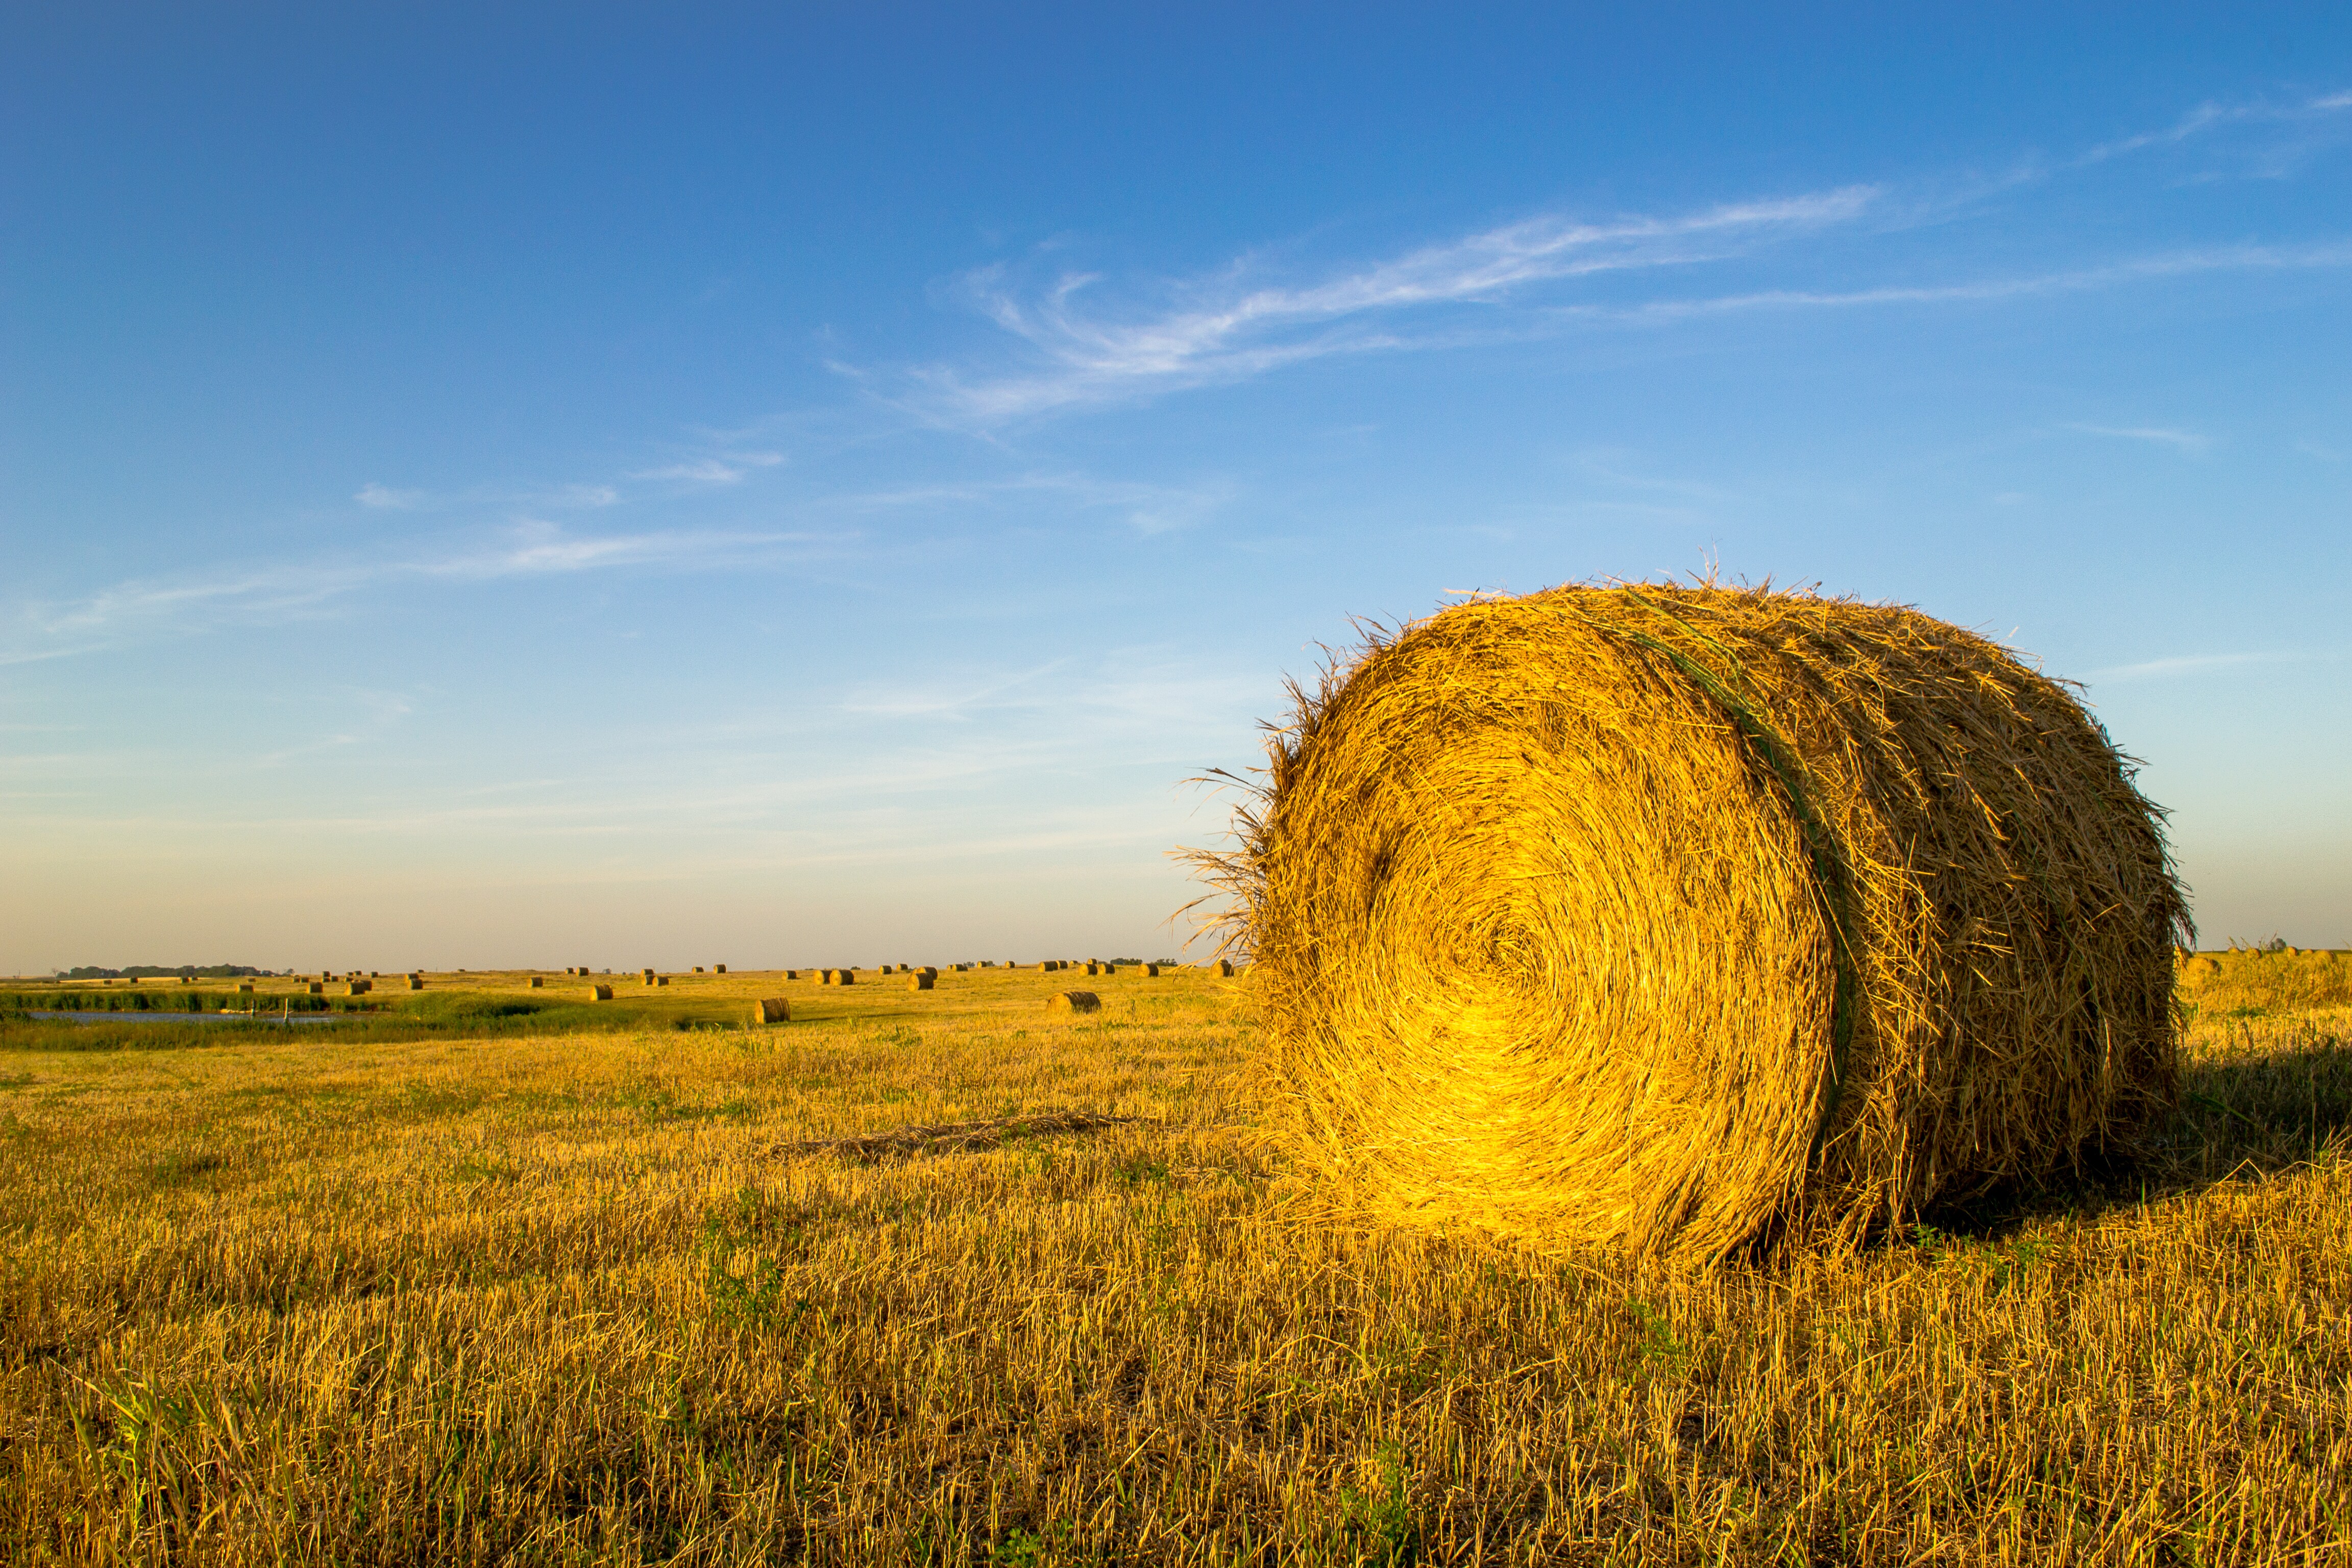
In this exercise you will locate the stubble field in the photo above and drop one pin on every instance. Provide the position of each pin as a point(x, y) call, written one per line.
point(333, 1294)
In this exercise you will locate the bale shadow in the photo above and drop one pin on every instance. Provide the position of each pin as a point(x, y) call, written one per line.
point(2250, 1105)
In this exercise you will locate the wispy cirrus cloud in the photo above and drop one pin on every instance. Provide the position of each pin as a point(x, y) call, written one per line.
point(143, 607)
point(1225, 328)
point(2210, 117)
point(1082, 342)
point(2187, 441)
point(2192, 664)
point(728, 469)
point(1149, 508)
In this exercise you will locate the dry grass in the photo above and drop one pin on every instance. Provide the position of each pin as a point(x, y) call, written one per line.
point(576, 1299)
point(1688, 918)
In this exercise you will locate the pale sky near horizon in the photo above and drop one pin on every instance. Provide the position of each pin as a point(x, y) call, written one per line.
point(618, 486)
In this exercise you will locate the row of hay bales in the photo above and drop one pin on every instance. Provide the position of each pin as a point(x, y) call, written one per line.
point(2283, 979)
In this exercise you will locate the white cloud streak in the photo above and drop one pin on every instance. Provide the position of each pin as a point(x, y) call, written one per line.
point(2187, 441)
point(728, 469)
point(2189, 664)
point(144, 607)
point(1225, 328)
point(1224, 331)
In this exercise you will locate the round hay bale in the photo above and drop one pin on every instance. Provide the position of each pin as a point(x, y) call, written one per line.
point(600, 993)
point(718, 969)
point(772, 1010)
point(1074, 1002)
point(921, 980)
point(1680, 918)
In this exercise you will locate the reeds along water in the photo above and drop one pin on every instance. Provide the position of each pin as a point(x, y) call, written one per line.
point(1683, 918)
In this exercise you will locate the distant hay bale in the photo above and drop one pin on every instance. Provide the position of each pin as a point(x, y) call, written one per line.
point(844, 977)
point(697, 969)
point(1223, 969)
point(355, 988)
point(538, 982)
point(647, 976)
point(245, 988)
point(417, 983)
point(1151, 971)
point(1093, 968)
point(921, 980)
point(1046, 967)
point(661, 979)
point(775, 1010)
point(1680, 918)
point(600, 993)
point(318, 987)
point(1074, 1002)
point(718, 969)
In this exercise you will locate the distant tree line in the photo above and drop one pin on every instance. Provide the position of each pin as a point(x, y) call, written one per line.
point(133, 971)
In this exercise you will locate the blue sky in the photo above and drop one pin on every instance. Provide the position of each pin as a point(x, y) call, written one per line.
point(594, 485)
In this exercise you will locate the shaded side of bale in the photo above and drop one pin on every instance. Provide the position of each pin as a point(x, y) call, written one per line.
point(538, 982)
point(600, 993)
point(1685, 918)
point(921, 980)
point(1074, 1002)
point(773, 1010)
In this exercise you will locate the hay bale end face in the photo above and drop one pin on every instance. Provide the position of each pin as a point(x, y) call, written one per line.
point(1074, 1002)
point(775, 1010)
point(600, 993)
point(1688, 919)
point(922, 981)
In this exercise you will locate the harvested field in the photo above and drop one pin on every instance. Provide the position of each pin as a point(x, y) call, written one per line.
point(940, 1278)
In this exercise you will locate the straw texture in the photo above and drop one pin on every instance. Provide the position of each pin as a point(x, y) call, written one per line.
point(1682, 919)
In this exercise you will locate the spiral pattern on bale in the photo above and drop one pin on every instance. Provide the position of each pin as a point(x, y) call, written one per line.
point(1683, 918)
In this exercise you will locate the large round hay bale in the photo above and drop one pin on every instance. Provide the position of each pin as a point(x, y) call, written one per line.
point(1685, 918)
point(1074, 1002)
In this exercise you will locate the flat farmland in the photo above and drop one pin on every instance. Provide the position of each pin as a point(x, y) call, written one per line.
point(497, 1274)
